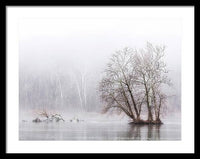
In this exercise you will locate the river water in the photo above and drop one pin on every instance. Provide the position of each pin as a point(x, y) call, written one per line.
point(98, 130)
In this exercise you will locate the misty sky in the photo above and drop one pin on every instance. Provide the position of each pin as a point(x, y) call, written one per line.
point(87, 43)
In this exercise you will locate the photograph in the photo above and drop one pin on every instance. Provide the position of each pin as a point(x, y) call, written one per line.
point(100, 78)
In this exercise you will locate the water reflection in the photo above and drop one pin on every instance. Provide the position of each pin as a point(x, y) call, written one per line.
point(144, 132)
point(98, 131)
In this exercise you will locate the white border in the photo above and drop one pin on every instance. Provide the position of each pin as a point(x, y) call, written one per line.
point(186, 145)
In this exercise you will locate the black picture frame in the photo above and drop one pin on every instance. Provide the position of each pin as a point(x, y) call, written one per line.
point(4, 4)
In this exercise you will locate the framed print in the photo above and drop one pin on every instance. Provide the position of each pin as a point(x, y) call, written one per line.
point(100, 79)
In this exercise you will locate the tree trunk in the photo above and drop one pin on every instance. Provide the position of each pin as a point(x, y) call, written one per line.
point(127, 101)
point(134, 104)
point(150, 117)
point(130, 92)
point(155, 103)
point(158, 113)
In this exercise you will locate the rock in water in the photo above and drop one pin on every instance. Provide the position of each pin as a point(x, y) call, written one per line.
point(37, 120)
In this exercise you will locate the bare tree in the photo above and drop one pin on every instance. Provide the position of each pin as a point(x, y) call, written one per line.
point(118, 87)
point(152, 69)
point(134, 78)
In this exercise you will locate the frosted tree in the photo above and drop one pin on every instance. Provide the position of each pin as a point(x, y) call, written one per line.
point(133, 79)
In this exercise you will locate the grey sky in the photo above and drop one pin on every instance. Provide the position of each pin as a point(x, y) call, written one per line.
point(87, 43)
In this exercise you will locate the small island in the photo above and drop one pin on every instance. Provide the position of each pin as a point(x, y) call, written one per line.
point(133, 82)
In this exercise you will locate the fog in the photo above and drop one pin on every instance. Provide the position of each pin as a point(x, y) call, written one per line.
point(61, 60)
